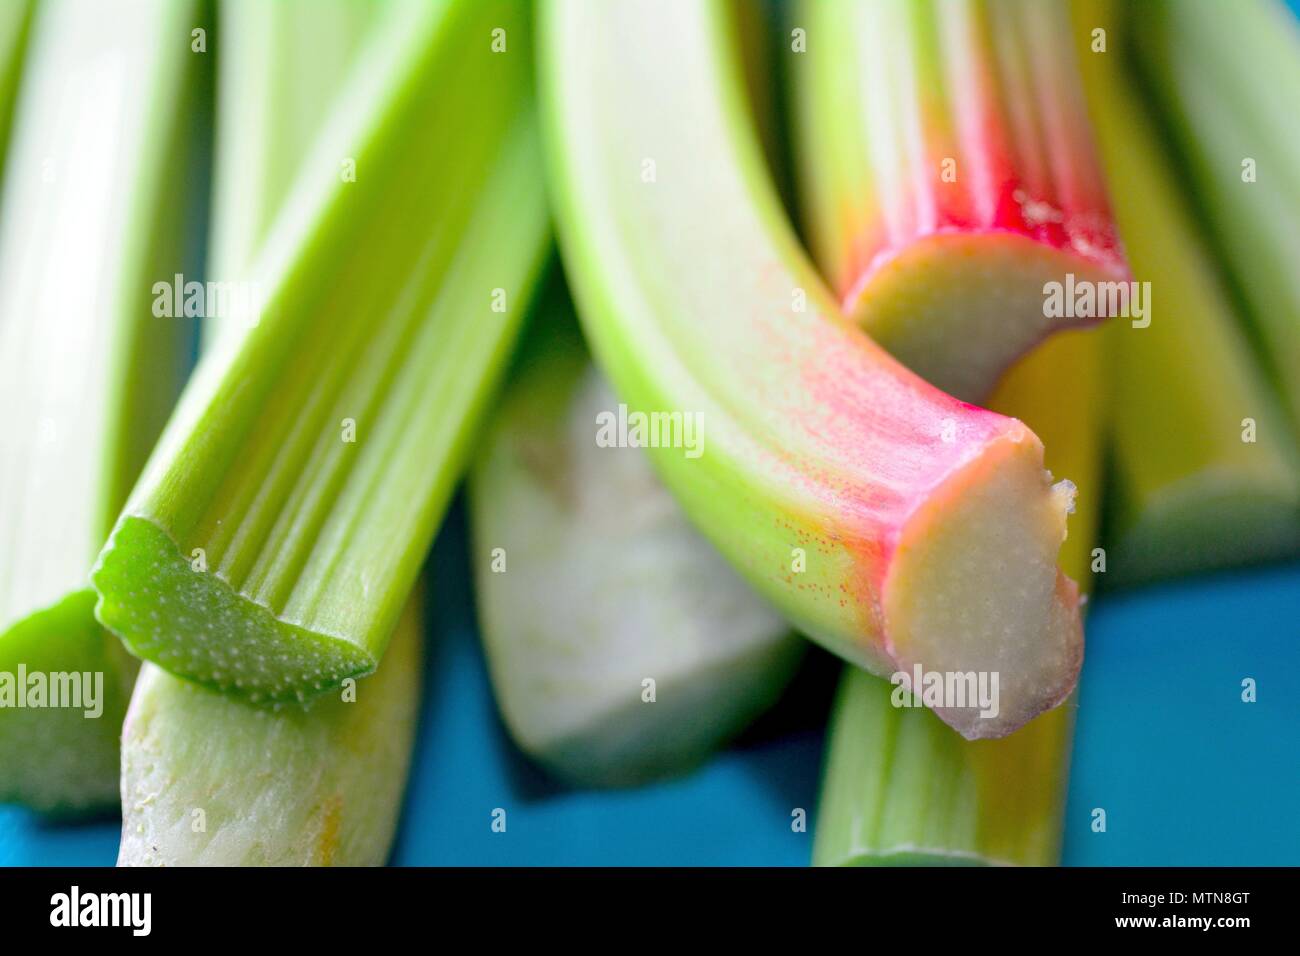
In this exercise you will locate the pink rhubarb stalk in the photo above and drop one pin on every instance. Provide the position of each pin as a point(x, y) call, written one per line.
point(893, 523)
point(948, 175)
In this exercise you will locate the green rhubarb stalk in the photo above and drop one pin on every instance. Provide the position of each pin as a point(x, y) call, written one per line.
point(591, 582)
point(193, 787)
point(1226, 77)
point(917, 794)
point(900, 787)
point(91, 216)
point(894, 524)
point(283, 518)
point(948, 175)
point(208, 780)
point(1206, 471)
point(279, 67)
point(15, 24)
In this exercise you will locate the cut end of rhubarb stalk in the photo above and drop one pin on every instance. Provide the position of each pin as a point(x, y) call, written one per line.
point(834, 479)
point(210, 634)
point(974, 589)
point(958, 308)
point(948, 175)
point(61, 760)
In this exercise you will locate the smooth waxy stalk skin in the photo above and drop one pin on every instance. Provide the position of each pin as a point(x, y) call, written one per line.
point(899, 787)
point(95, 187)
point(280, 66)
point(209, 780)
point(282, 520)
point(1225, 77)
point(891, 522)
point(917, 794)
point(947, 174)
point(591, 582)
point(1205, 469)
point(15, 25)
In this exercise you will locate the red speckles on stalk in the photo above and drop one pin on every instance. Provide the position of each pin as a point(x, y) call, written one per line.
point(967, 119)
point(888, 437)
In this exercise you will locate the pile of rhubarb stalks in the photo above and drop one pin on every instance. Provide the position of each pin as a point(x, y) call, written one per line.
point(897, 327)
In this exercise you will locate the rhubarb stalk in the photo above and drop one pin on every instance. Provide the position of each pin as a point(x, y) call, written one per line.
point(898, 786)
point(280, 66)
point(15, 24)
point(1206, 471)
point(948, 175)
point(891, 522)
point(91, 217)
point(208, 780)
point(284, 516)
point(192, 756)
point(1227, 76)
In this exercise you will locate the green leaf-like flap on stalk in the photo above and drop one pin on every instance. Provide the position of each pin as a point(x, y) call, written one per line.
point(208, 780)
point(311, 459)
point(194, 786)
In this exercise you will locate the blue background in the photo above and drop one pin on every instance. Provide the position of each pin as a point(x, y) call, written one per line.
point(1187, 772)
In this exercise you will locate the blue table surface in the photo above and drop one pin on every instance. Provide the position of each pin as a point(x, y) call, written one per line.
point(1186, 771)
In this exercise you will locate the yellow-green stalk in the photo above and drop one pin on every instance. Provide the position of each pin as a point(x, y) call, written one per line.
point(15, 24)
point(1205, 467)
point(280, 65)
point(590, 577)
point(1226, 76)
